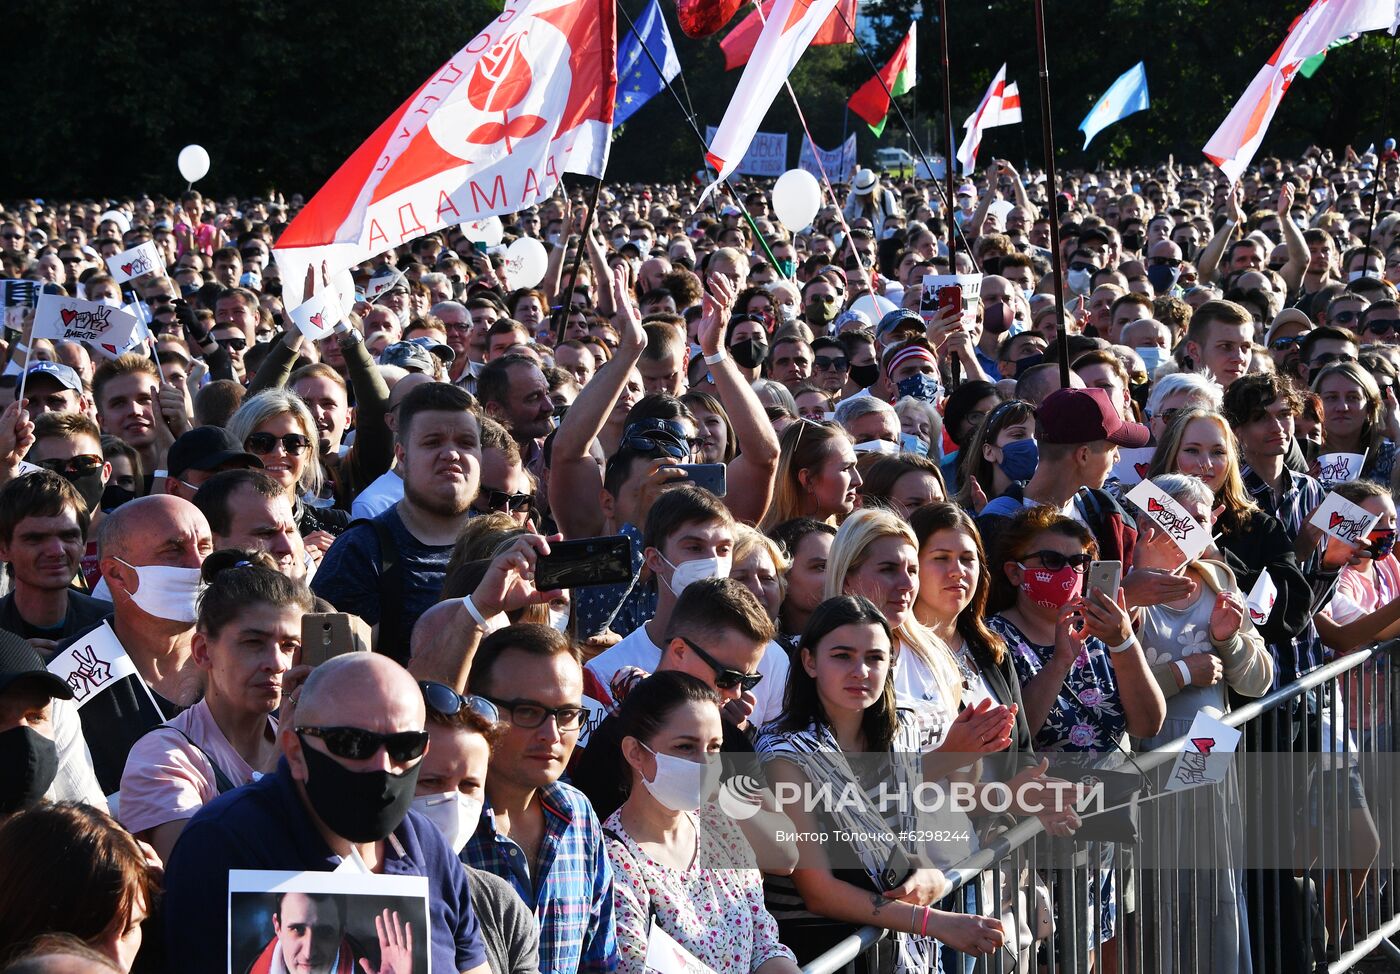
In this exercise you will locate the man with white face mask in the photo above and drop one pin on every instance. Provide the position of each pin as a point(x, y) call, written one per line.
point(150, 550)
point(689, 535)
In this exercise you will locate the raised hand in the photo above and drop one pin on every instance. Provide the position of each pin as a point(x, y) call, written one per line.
point(509, 582)
point(719, 302)
point(395, 945)
point(632, 337)
point(16, 433)
point(1227, 616)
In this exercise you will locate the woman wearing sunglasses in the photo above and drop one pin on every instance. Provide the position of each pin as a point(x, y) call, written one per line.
point(450, 793)
point(840, 707)
point(1356, 419)
point(678, 860)
point(247, 636)
point(277, 428)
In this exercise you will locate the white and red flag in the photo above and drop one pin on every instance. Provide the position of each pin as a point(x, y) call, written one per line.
point(738, 44)
point(789, 29)
point(1001, 105)
point(1233, 145)
point(493, 130)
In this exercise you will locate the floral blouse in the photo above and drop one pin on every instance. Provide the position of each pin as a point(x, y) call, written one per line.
point(714, 909)
point(1088, 713)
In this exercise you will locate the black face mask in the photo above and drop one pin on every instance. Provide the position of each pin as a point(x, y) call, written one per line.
point(865, 376)
point(28, 764)
point(1026, 362)
point(750, 353)
point(90, 487)
point(362, 806)
point(113, 497)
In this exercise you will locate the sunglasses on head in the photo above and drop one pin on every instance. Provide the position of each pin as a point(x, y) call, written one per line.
point(79, 466)
point(499, 500)
point(264, 443)
point(448, 702)
point(726, 678)
point(358, 744)
point(1054, 561)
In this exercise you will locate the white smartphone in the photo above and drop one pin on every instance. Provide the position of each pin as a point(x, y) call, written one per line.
point(1106, 577)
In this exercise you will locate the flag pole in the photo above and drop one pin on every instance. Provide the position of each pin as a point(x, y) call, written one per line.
point(561, 317)
point(954, 366)
point(1377, 179)
point(695, 130)
point(903, 119)
point(1061, 336)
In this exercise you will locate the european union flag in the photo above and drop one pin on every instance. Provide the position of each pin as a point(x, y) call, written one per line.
point(1126, 95)
point(637, 79)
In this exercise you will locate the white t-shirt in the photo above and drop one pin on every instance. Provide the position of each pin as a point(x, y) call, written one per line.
point(768, 694)
point(636, 649)
point(383, 493)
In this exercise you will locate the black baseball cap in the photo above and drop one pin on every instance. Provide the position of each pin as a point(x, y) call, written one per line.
point(207, 448)
point(21, 661)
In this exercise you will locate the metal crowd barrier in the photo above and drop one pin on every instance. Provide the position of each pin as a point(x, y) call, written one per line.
point(1301, 916)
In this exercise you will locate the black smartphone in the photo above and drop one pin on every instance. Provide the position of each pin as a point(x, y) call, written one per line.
point(711, 476)
point(587, 561)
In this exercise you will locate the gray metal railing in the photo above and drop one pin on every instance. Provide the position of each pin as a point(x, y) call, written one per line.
point(1368, 919)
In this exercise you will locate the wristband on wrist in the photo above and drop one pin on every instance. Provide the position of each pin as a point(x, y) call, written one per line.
point(160, 475)
point(1123, 646)
point(473, 611)
point(923, 927)
point(1184, 671)
point(716, 358)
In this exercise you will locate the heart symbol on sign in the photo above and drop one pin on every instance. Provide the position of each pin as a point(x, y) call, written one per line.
point(1203, 744)
point(1154, 505)
point(126, 268)
point(67, 314)
point(1257, 616)
point(1142, 469)
point(1336, 519)
point(316, 319)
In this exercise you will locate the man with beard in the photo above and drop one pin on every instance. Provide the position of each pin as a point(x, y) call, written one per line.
point(351, 755)
point(43, 524)
point(389, 571)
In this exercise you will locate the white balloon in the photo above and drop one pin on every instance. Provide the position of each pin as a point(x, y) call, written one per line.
point(874, 306)
point(796, 198)
point(487, 231)
point(526, 262)
point(194, 163)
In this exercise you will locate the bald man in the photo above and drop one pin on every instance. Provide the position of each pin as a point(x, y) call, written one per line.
point(351, 753)
point(149, 551)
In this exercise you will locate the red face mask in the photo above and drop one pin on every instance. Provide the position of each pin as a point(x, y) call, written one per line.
point(1052, 590)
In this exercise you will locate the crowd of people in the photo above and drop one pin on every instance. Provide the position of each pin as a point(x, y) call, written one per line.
point(859, 525)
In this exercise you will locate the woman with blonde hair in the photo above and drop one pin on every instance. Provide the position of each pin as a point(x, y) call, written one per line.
point(816, 474)
point(761, 566)
point(1353, 418)
point(276, 426)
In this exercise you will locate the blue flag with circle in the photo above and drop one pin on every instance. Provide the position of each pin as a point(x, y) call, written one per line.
point(1127, 95)
point(637, 80)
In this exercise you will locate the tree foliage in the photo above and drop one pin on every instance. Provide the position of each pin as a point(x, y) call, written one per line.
point(281, 91)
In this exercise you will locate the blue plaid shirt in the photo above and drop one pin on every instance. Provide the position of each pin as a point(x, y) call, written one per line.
point(572, 892)
point(1292, 507)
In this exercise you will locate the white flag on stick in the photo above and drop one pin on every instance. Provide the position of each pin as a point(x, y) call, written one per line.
point(138, 261)
point(100, 325)
point(92, 664)
point(1189, 534)
point(1206, 759)
point(317, 315)
point(1262, 598)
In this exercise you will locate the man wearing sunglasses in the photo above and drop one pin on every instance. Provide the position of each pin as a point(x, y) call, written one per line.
point(718, 633)
point(505, 486)
point(352, 748)
point(536, 832)
point(235, 325)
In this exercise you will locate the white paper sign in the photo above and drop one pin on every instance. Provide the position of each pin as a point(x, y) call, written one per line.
point(100, 325)
point(1132, 465)
point(1343, 520)
point(1189, 534)
point(1334, 468)
point(969, 284)
point(1206, 759)
point(1262, 598)
point(317, 315)
point(665, 956)
point(26, 467)
point(138, 261)
point(92, 664)
point(382, 284)
point(595, 714)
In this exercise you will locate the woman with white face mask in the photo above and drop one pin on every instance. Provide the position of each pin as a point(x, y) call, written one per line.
point(450, 794)
point(678, 860)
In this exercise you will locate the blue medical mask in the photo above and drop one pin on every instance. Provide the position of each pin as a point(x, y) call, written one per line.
point(921, 387)
point(1152, 357)
point(1019, 458)
point(910, 443)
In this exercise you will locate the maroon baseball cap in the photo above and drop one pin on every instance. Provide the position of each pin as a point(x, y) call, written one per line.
point(1086, 416)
